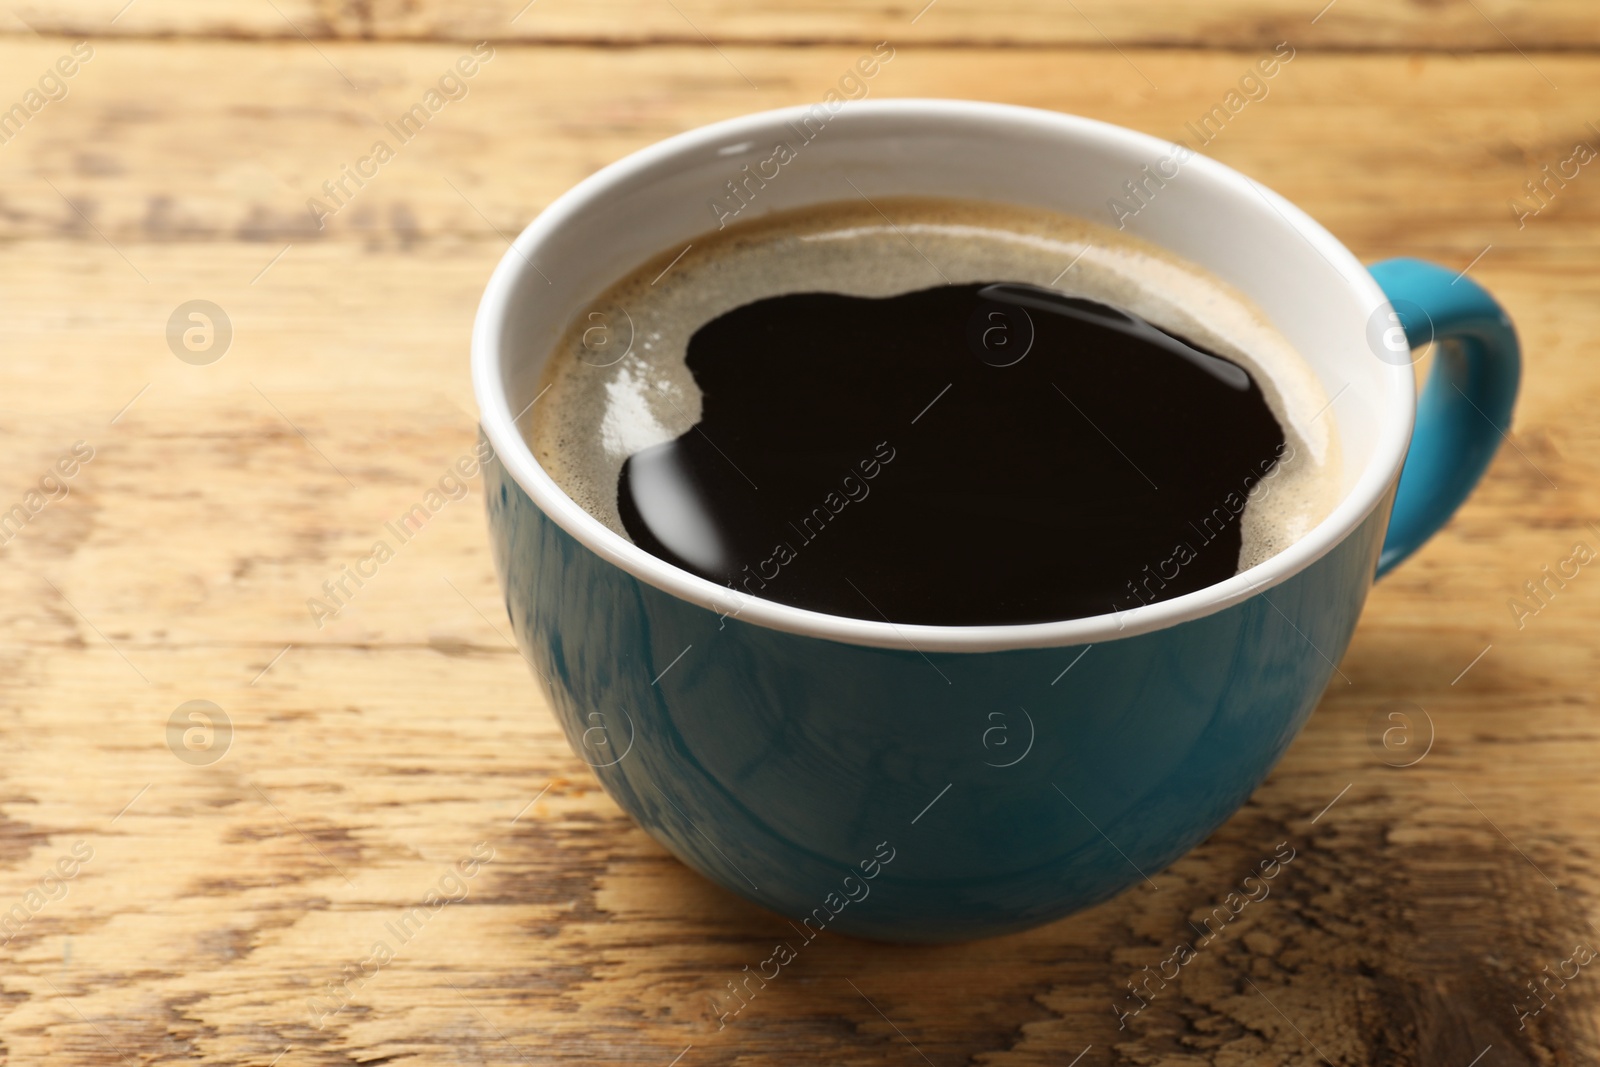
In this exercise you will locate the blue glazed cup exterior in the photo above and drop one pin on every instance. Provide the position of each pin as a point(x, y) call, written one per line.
point(986, 792)
point(941, 790)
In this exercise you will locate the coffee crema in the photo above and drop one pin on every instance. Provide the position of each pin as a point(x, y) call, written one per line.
point(937, 412)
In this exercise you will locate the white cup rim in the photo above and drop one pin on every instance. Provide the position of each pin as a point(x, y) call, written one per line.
point(499, 425)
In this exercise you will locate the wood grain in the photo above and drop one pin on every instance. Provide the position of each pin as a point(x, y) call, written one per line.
point(373, 755)
point(1421, 25)
point(233, 161)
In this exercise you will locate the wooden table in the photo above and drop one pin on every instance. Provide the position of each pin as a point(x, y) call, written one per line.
point(227, 887)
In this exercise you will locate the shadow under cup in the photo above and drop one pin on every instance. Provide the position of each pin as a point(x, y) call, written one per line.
point(920, 783)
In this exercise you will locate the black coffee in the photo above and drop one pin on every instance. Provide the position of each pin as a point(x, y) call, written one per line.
point(962, 455)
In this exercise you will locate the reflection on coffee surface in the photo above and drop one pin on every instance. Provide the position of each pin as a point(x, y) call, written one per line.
point(973, 414)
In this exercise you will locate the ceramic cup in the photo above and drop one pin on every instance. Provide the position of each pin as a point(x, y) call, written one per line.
point(934, 783)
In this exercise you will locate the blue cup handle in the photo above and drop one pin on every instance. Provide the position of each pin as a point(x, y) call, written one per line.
point(1465, 407)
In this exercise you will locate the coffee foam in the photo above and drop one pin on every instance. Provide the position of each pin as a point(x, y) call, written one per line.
point(618, 382)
